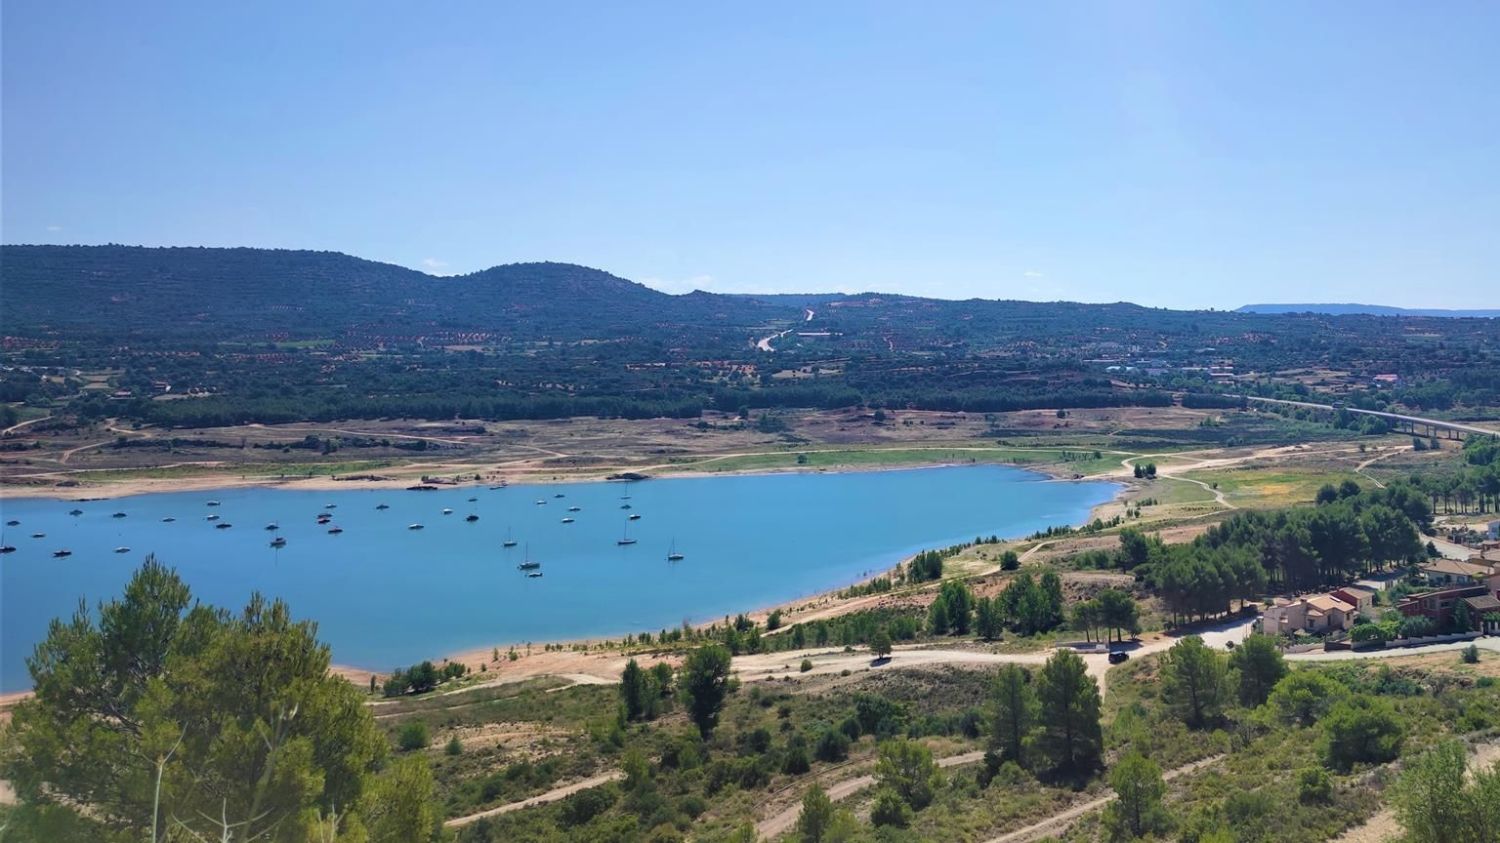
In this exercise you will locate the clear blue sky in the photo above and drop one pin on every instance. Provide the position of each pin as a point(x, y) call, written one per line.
point(1188, 154)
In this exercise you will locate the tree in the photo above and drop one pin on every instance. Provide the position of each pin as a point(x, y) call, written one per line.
point(635, 690)
point(1137, 810)
point(1013, 713)
point(1009, 561)
point(906, 767)
point(1361, 730)
point(1304, 696)
point(1068, 711)
point(937, 617)
point(1118, 611)
point(817, 817)
point(1260, 666)
point(890, 809)
point(988, 623)
point(705, 682)
point(1195, 682)
point(1135, 548)
point(959, 602)
point(402, 804)
point(880, 643)
point(231, 717)
point(1430, 798)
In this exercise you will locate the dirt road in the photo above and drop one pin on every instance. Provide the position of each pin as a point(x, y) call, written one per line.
point(552, 795)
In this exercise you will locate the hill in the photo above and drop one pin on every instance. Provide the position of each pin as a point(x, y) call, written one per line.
point(277, 335)
point(1366, 310)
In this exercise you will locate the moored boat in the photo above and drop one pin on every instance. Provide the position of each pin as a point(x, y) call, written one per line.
point(279, 541)
point(122, 549)
point(59, 554)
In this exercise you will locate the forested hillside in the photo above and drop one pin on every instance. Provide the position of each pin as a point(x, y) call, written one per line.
point(193, 336)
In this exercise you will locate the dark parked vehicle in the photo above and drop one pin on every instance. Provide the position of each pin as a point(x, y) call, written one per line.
point(1118, 656)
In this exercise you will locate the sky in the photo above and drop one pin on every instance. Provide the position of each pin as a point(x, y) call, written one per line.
point(1175, 154)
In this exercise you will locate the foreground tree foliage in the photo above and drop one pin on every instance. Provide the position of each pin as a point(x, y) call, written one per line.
point(1437, 803)
point(1013, 713)
point(1137, 811)
point(1069, 714)
point(1260, 666)
point(172, 720)
point(1195, 682)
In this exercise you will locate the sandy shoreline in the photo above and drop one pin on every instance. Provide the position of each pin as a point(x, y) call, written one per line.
point(398, 478)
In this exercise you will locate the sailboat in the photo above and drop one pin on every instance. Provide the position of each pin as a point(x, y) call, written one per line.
point(527, 564)
point(509, 542)
point(625, 536)
point(672, 554)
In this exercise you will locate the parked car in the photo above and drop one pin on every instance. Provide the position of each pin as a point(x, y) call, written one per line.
point(1118, 656)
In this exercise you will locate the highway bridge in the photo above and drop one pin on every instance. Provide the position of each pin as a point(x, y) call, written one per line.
point(1415, 425)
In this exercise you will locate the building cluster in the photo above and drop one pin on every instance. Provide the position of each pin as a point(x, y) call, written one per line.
point(1460, 588)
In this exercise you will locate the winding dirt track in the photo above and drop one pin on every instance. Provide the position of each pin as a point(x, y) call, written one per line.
point(552, 795)
point(1057, 823)
point(781, 823)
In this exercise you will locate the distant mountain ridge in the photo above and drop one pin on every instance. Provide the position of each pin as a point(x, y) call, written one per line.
point(1366, 310)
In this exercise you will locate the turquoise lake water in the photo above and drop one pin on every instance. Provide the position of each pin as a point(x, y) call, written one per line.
point(384, 595)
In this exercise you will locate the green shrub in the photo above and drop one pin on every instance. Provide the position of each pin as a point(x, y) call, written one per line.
point(1361, 730)
point(795, 761)
point(412, 736)
point(586, 804)
point(833, 745)
point(1470, 654)
point(1313, 785)
point(806, 665)
point(890, 809)
point(454, 747)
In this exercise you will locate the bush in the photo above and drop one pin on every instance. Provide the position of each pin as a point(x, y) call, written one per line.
point(1304, 696)
point(1313, 785)
point(806, 665)
point(454, 747)
point(586, 804)
point(412, 736)
point(1470, 654)
point(833, 745)
point(795, 762)
point(890, 809)
point(1361, 730)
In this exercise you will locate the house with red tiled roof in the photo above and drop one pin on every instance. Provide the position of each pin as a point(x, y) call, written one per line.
point(1313, 613)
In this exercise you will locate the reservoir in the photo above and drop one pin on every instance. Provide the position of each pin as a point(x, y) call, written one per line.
point(385, 595)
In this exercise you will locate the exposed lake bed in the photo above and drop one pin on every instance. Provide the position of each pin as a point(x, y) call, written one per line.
point(386, 593)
